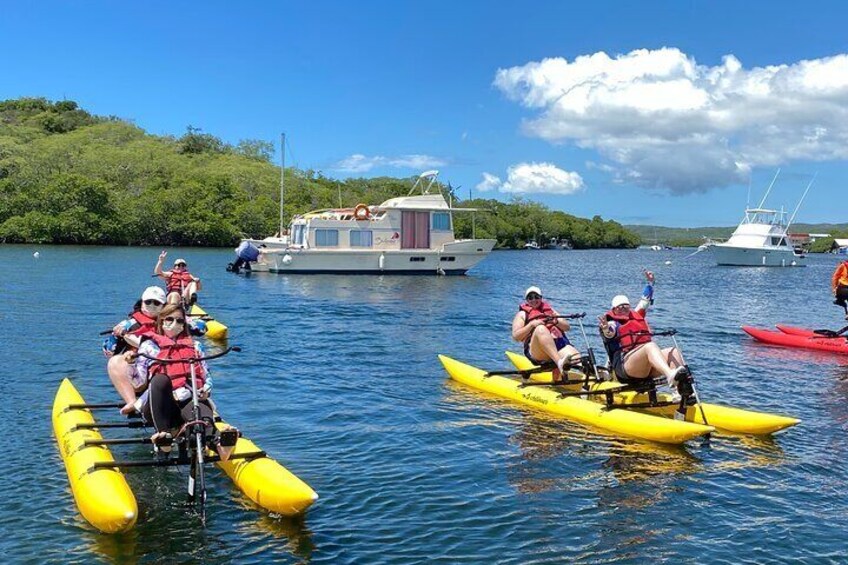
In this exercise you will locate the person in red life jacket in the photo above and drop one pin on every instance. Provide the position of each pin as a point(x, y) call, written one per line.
point(181, 284)
point(127, 336)
point(167, 403)
point(839, 284)
point(627, 336)
point(542, 333)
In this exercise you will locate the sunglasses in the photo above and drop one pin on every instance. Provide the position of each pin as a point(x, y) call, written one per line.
point(179, 264)
point(622, 307)
point(533, 297)
point(173, 320)
point(151, 302)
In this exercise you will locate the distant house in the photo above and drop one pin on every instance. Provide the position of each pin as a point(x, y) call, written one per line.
point(840, 246)
point(803, 240)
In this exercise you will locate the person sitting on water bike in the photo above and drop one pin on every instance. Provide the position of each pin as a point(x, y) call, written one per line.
point(167, 403)
point(181, 284)
point(633, 354)
point(126, 337)
point(543, 334)
point(839, 284)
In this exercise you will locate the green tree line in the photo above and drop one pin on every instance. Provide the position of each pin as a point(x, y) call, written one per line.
point(67, 176)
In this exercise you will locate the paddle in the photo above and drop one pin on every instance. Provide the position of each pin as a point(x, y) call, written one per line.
point(831, 333)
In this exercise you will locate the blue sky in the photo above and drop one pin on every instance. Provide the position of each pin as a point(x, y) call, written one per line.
point(642, 112)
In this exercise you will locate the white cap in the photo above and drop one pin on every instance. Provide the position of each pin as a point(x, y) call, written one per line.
point(180, 261)
point(619, 300)
point(154, 293)
point(532, 289)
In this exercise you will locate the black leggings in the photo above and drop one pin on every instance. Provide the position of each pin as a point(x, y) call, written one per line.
point(842, 297)
point(168, 415)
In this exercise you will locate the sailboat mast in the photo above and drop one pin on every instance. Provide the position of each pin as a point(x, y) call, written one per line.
point(282, 181)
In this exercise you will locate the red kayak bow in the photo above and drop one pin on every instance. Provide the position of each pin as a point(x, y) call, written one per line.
point(789, 336)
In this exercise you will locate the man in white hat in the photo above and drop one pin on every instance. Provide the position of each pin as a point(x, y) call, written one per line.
point(542, 333)
point(633, 353)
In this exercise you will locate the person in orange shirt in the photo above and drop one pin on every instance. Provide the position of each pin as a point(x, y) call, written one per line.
point(839, 283)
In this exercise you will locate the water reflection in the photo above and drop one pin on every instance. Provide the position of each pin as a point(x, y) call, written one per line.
point(296, 535)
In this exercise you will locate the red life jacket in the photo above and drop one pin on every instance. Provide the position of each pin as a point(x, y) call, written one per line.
point(179, 373)
point(146, 324)
point(633, 330)
point(543, 311)
point(179, 280)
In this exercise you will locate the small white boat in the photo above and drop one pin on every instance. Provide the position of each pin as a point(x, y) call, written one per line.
point(532, 244)
point(411, 234)
point(761, 239)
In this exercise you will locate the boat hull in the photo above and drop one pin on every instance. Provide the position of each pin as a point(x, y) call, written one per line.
point(725, 418)
point(267, 483)
point(622, 422)
point(103, 496)
point(755, 257)
point(798, 340)
point(452, 259)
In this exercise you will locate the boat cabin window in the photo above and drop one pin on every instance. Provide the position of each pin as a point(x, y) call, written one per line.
point(326, 238)
point(417, 259)
point(361, 238)
point(778, 241)
point(297, 234)
point(441, 221)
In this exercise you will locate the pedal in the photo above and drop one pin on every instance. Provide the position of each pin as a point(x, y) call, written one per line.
point(229, 438)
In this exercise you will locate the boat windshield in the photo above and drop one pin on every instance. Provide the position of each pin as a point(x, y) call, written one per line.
point(298, 231)
point(764, 216)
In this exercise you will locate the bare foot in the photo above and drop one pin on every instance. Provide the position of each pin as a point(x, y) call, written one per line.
point(162, 441)
point(128, 408)
point(225, 452)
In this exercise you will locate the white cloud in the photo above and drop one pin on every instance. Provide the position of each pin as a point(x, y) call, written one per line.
point(664, 121)
point(533, 178)
point(358, 163)
point(489, 182)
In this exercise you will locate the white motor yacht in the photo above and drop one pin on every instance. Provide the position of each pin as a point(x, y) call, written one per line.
point(411, 234)
point(761, 240)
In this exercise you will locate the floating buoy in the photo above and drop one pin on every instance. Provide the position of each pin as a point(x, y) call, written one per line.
point(287, 259)
point(36, 255)
point(668, 262)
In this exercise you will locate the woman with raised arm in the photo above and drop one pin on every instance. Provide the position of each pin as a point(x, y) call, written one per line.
point(627, 337)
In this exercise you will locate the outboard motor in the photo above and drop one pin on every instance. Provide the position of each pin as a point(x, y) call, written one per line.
point(246, 252)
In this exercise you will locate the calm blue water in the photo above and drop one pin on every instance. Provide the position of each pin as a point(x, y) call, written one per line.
point(340, 382)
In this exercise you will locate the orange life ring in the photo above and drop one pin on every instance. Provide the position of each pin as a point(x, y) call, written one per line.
point(361, 212)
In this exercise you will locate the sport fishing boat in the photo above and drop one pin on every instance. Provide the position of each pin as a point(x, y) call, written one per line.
point(100, 489)
point(789, 336)
point(761, 239)
point(413, 234)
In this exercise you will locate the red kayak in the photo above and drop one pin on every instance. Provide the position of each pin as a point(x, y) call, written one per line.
point(789, 336)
